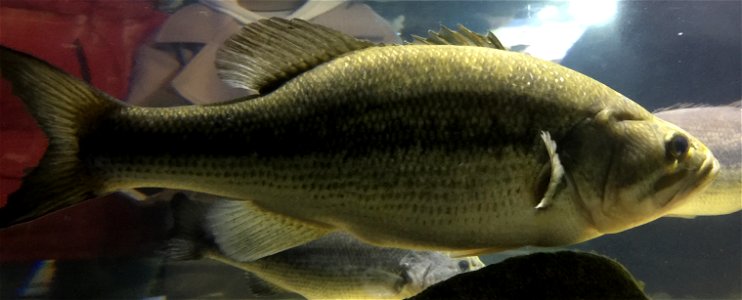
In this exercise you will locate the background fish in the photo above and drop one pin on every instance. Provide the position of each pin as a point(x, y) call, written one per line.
point(720, 128)
point(336, 266)
point(447, 147)
point(340, 267)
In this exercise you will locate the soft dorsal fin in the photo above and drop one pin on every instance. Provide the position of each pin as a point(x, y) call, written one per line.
point(461, 37)
point(266, 53)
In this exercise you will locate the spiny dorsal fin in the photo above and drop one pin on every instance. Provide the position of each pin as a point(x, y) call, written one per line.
point(461, 37)
point(735, 104)
point(268, 52)
point(682, 105)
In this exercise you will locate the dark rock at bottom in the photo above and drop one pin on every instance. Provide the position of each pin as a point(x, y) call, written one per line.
point(559, 275)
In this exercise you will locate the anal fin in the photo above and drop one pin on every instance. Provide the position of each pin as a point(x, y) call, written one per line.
point(245, 232)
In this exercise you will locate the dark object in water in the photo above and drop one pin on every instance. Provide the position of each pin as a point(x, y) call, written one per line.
point(560, 275)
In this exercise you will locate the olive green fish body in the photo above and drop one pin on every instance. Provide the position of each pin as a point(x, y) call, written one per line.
point(390, 138)
point(450, 147)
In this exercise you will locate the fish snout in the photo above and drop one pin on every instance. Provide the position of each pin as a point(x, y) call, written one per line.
point(708, 171)
point(704, 175)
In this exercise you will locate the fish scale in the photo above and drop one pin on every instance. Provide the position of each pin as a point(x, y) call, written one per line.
point(368, 118)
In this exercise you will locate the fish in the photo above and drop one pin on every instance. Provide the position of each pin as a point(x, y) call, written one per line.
point(720, 127)
point(336, 266)
point(450, 144)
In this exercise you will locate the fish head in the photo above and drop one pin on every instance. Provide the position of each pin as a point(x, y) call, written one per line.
point(720, 128)
point(633, 168)
point(423, 269)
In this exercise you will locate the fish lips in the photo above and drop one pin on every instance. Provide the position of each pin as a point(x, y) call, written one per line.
point(703, 177)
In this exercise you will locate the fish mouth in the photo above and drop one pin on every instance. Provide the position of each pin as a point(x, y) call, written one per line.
point(703, 176)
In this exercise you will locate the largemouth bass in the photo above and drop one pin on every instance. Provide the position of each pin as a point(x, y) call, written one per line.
point(460, 148)
point(720, 127)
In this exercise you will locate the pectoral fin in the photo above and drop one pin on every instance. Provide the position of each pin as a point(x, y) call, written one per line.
point(557, 171)
point(383, 284)
point(245, 232)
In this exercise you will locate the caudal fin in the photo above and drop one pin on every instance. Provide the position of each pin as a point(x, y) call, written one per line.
point(65, 108)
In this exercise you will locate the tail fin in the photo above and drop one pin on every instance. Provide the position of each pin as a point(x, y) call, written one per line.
point(65, 108)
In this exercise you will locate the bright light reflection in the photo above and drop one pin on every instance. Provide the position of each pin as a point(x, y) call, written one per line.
point(549, 42)
point(592, 12)
point(549, 12)
point(557, 26)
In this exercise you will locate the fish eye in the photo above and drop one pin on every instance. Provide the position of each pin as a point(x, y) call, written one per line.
point(677, 146)
point(464, 265)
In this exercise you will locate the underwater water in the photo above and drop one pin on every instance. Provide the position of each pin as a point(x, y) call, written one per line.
point(657, 53)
